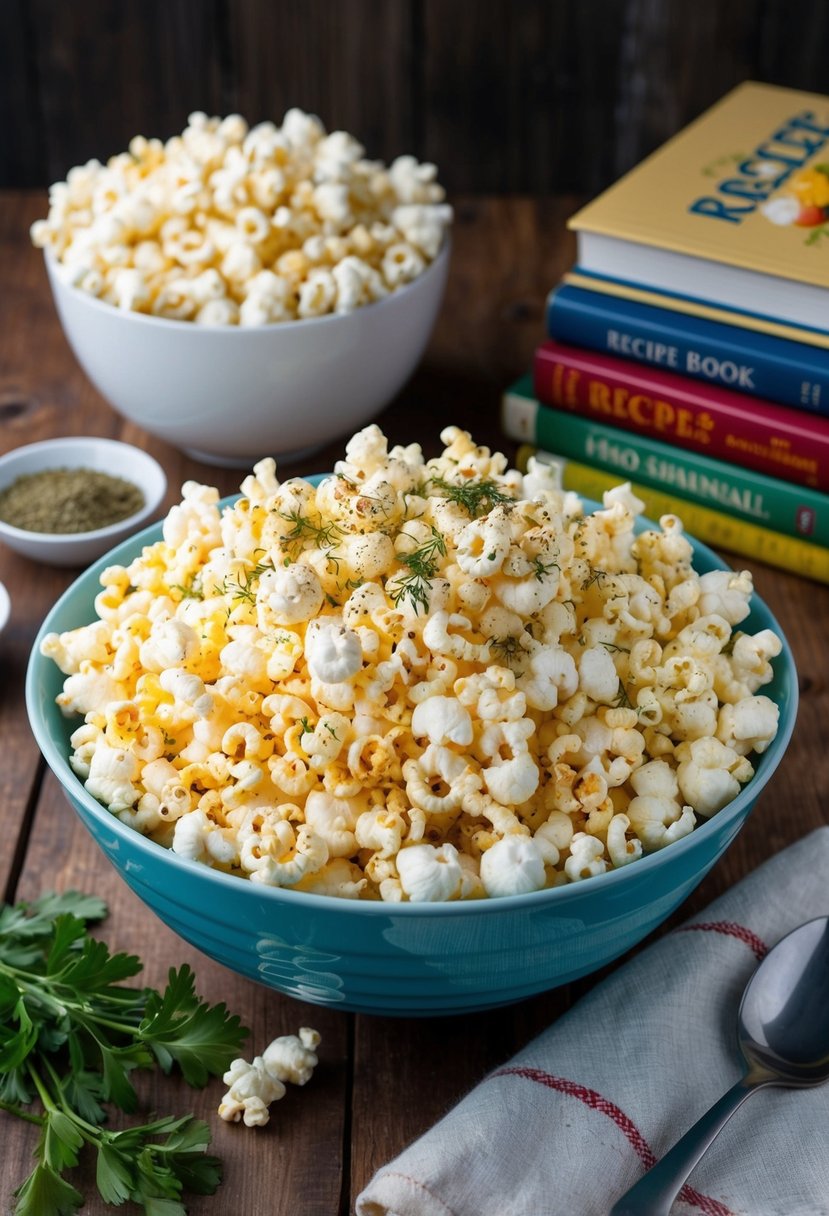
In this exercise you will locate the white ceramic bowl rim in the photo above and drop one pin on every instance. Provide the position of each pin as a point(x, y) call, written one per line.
point(59, 763)
point(5, 607)
point(77, 441)
point(272, 327)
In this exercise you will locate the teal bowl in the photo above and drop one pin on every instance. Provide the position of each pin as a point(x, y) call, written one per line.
point(396, 959)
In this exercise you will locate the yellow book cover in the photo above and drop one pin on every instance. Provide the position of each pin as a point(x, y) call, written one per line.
point(739, 195)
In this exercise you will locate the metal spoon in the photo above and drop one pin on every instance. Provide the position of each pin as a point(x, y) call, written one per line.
point(783, 1033)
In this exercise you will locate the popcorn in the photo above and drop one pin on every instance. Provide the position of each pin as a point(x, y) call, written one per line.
point(420, 681)
point(255, 1085)
point(442, 720)
point(333, 652)
point(292, 1057)
point(513, 866)
point(223, 225)
point(428, 874)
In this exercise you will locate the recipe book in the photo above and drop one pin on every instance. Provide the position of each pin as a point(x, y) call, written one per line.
point(713, 351)
point(790, 444)
point(755, 497)
point(732, 210)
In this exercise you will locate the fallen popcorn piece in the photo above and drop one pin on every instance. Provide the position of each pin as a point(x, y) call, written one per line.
point(254, 1086)
point(293, 1057)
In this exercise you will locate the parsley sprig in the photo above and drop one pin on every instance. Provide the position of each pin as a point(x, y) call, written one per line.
point(71, 1033)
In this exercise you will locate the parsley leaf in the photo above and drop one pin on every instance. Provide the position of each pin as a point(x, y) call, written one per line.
point(46, 1193)
point(202, 1039)
point(60, 1142)
point(72, 1032)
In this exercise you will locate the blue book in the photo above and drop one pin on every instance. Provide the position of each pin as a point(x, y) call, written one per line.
point(791, 373)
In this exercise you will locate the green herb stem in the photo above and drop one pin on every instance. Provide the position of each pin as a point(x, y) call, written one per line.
point(47, 992)
point(42, 1091)
point(19, 1113)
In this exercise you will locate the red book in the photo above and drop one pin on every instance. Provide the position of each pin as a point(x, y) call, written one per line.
point(749, 433)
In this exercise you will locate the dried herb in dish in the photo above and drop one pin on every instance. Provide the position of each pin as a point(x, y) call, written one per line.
point(68, 501)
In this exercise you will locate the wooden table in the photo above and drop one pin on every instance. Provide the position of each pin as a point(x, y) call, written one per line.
point(381, 1081)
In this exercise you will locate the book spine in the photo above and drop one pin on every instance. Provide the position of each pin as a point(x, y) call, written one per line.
point(690, 306)
point(787, 372)
point(713, 528)
point(788, 444)
point(777, 505)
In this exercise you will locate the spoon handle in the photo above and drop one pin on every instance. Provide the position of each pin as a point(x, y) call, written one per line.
point(654, 1193)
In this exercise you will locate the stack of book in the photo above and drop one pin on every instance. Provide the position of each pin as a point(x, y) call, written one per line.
point(688, 349)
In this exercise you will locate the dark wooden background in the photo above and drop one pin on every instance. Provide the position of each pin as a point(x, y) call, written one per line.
point(506, 96)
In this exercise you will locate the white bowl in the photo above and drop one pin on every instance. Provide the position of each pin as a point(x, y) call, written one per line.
point(105, 455)
point(5, 607)
point(230, 395)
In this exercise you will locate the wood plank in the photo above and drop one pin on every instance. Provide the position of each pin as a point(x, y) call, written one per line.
point(506, 98)
point(33, 397)
point(661, 87)
point(281, 1161)
point(21, 159)
point(520, 98)
point(350, 63)
point(109, 71)
point(785, 54)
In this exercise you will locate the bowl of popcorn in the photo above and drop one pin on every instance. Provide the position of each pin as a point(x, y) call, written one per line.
point(417, 736)
point(243, 292)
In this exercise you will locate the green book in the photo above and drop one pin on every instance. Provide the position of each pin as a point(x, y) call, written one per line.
point(778, 505)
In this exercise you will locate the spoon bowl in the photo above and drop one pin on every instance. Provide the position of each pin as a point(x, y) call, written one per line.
point(783, 1033)
point(783, 1023)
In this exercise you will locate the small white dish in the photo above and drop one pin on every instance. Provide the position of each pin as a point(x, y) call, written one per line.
point(5, 607)
point(104, 455)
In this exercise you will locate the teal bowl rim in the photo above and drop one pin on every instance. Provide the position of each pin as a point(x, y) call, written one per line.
point(704, 558)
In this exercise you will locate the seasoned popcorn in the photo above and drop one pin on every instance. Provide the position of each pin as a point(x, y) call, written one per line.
point(419, 681)
point(231, 225)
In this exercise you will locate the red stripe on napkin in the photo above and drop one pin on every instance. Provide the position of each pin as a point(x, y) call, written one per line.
point(730, 929)
point(593, 1099)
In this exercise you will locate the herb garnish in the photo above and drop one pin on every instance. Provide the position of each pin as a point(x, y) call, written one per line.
point(422, 565)
point(595, 576)
point(540, 568)
point(507, 647)
point(245, 587)
point(324, 536)
point(477, 497)
point(71, 1033)
point(191, 590)
point(622, 701)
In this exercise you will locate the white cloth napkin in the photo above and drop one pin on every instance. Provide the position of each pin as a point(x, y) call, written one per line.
point(575, 1118)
